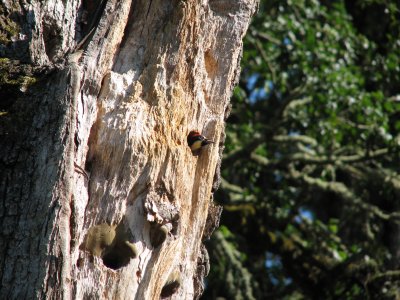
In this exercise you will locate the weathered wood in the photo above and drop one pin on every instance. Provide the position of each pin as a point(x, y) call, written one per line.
point(101, 138)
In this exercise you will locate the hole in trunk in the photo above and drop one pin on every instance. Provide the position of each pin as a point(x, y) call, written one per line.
point(111, 243)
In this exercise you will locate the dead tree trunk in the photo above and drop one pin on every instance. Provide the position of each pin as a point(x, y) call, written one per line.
point(101, 198)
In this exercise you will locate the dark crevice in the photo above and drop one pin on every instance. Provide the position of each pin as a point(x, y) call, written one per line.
point(148, 10)
point(112, 243)
point(91, 12)
point(127, 27)
point(52, 38)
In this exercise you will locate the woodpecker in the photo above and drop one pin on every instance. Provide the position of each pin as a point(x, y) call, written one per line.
point(196, 142)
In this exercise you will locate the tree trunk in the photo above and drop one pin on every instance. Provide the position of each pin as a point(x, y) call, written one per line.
point(101, 195)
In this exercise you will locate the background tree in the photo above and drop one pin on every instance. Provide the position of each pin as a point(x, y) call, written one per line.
point(101, 197)
point(310, 176)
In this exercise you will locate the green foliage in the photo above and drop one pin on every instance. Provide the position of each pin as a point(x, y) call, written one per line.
point(15, 78)
point(8, 28)
point(311, 184)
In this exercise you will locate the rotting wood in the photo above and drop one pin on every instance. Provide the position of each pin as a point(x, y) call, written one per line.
point(148, 74)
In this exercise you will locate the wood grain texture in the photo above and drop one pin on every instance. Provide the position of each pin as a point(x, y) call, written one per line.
point(119, 110)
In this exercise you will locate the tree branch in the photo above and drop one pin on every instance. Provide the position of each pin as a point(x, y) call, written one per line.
point(244, 151)
point(393, 275)
point(294, 103)
point(260, 159)
point(346, 194)
point(264, 56)
point(266, 37)
point(337, 160)
point(236, 193)
point(319, 160)
point(295, 138)
point(238, 277)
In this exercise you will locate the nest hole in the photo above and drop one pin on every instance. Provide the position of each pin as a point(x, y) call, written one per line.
point(111, 243)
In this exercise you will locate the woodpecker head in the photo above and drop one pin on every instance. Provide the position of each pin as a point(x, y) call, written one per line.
point(196, 142)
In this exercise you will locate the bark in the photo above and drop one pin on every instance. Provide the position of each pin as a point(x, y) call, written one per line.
point(101, 196)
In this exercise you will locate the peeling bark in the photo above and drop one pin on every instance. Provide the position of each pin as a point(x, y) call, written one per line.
point(100, 138)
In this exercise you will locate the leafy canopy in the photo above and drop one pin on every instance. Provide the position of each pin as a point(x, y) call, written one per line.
point(311, 186)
